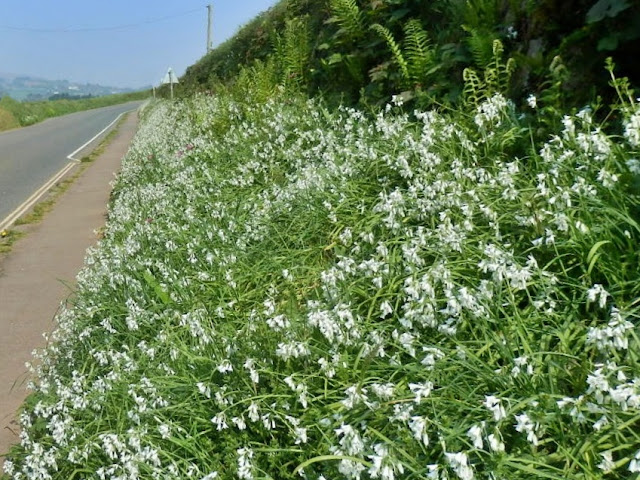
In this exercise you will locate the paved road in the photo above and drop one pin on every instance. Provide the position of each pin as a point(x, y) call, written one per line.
point(30, 156)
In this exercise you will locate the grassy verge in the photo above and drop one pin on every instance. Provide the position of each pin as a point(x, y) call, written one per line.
point(284, 291)
point(20, 114)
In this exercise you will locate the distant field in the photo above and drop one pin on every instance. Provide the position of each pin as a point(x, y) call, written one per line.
point(15, 114)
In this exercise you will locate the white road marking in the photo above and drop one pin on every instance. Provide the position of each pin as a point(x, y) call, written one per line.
point(29, 202)
point(71, 155)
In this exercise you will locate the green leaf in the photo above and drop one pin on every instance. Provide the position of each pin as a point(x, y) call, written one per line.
point(608, 43)
point(595, 248)
point(335, 58)
point(606, 8)
point(399, 14)
point(153, 283)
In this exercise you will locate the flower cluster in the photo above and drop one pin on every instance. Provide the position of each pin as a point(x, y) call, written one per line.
point(284, 291)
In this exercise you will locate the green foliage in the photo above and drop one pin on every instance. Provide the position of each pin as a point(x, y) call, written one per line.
point(349, 60)
point(626, 99)
point(420, 54)
point(606, 8)
point(349, 17)
point(496, 77)
point(258, 81)
point(480, 45)
point(398, 57)
point(292, 52)
point(552, 97)
point(7, 120)
point(28, 113)
point(415, 57)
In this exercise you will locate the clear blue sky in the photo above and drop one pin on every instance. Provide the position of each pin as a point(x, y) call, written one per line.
point(113, 42)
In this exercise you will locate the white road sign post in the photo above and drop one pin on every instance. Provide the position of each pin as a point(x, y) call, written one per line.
point(170, 78)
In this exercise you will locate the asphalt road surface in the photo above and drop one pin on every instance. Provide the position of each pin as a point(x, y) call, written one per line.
point(30, 156)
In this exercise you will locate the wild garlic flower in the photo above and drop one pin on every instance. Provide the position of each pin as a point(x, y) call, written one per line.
point(494, 404)
point(632, 129)
point(524, 424)
point(634, 464)
point(532, 101)
point(597, 292)
point(245, 464)
point(495, 443)
point(475, 435)
point(383, 465)
point(459, 463)
point(607, 464)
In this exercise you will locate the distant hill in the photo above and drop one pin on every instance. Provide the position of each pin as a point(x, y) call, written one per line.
point(24, 87)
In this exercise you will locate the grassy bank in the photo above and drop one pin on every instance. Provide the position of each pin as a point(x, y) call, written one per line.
point(21, 114)
point(285, 291)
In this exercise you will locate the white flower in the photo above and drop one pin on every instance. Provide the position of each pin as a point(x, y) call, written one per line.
point(525, 425)
point(421, 390)
point(475, 434)
point(632, 129)
point(350, 440)
point(494, 404)
point(597, 292)
point(418, 426)
point(220, 420)
point(301, 435)
point(383, 465)
point(385, 309)
point(607, 465)
point(433, 471)
point(397, 100)
point(532, 101)
point(383, 391)
point(613, 336)
point(607, 178)
point(495, 443)
point(225, 366)
point(634, 464)
point(245, 467)
point(355, 396)
point(239, 422)
point(634, 166)
point(8, 467)
point(164, 430)
point(459, 463)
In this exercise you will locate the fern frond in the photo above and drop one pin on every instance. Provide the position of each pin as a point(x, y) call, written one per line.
point(419, 54)
point(292, 51)
point(480, 45)
point(349, 16)
point(395, 49)
point(473, 92)
point(498, 74)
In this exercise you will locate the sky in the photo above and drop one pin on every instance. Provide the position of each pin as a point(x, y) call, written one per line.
point(116, 43)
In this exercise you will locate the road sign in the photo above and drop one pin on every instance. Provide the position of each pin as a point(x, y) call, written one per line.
point(170, 77)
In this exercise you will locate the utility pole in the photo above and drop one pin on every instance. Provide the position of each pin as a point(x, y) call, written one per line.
point(210, 13)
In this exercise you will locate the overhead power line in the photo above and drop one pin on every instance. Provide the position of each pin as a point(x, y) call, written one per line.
point(98, 29)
